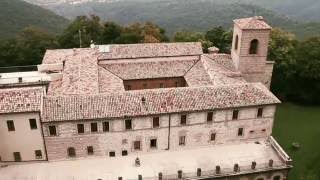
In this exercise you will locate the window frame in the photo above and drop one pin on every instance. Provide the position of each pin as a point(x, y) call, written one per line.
point(96, 130)
point(10, 125)
point(260, 112)
point(236, 42)
point(126, 126)
point(254, 47)
point(90, 150)
point(213, 136)
point(83, 128)
point(153, 143)
point(157, 120)
point(124, 153)
point(182, 140)
point(71, 151)
point(240, 132)
point(55, 130)
point(210, 114)
point(38, 154)
point(183, 119)
point(137, 145)
point(235, 114)
point(17, 156)
point(112, 154)
point(32, 125)
point(104, 129)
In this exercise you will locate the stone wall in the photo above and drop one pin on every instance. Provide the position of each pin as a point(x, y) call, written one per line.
point(197, 132)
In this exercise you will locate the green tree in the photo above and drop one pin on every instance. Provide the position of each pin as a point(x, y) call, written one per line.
point(220, 38)
point(89, 28)
point(188, 36)
point(111, 32)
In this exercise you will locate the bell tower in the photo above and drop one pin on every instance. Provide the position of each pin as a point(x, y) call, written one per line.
point(250, 49)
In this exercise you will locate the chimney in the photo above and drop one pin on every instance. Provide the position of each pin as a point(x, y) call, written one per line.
point(213, 50)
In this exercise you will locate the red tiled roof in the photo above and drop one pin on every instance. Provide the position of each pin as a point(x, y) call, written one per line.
point(252, 23)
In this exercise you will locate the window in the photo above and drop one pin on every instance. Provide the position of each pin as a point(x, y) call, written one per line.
point(177, 84)
point(128, 124)
point(112, 154)
point(17, 156)
point(153, 143)
point(235, 114)
point(161, 85)
point(254, 46)
point(52, 131)
point(145, 86)
point(33, 123)
point(105, 126)
point(183, 119)
point(209, 116)
point(94, 127)
point(240, 132)
point(71, 152)
point(236, 42)
point(260, 112)
point(38, 154)
point(155, 122)
point(124, 153)
point(213, 137)
point(182, 140)
point(80, 128)
point(10, 125)
point(136, 145)
point(90, 150)
point(128, 87)
point(276, 177)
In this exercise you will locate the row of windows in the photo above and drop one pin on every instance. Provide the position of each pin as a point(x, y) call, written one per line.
point(155, 123)
point(32, 122)
point(17, 155)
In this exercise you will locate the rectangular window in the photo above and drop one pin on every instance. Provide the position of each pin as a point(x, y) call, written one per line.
point(90, 150)
point(260, 112)
point(105, 126)
point(161, 85)
point(124, 153)
point(80, 128)
point(128, 88)
point(183, 119)
point(213, 137)
point(112, 154)
point(10, 125)
point(33, 123)
point(182, 140)
point(128, 124)
point(94, 127)
point(17, 156)
point(156, 122)
point(137, 145)
point(38, 154)
point(52, 131)
point(235, 114)
point(209, 116)
point(153, 143)
point(145, 86)
point(240, 132)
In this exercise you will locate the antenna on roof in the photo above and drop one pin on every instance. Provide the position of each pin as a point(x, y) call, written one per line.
point(80, 38)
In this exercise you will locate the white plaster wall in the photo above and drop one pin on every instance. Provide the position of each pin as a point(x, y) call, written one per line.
point(197, 132)
point(23, 139)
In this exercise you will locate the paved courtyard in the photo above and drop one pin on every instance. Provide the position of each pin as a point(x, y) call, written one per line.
point(106, 168)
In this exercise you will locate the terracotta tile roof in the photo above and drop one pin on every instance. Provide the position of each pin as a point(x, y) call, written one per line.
point(80, 74)
point(56, 56)
point(149, 50)
point(252, 23)
point(198, 76)
point(24, 99)
point(108, 82)
point(151, 67)
point(223, 60)
point(158, 101)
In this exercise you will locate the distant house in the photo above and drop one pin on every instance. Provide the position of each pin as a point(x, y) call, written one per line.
point(184, 113)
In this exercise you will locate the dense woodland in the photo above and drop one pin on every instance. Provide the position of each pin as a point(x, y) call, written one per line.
point(296, 74)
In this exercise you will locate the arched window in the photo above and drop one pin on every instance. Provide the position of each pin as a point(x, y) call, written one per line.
point(236, 42)
point(254, 46)
point(71, 152)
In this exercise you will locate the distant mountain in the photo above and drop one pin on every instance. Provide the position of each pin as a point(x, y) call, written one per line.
point(176, 15)
point(15, 15)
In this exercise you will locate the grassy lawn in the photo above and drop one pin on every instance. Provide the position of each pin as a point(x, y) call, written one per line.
point(300, 124)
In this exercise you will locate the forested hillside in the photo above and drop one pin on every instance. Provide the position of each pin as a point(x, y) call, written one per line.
point(180, 15)
point(15, 15)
